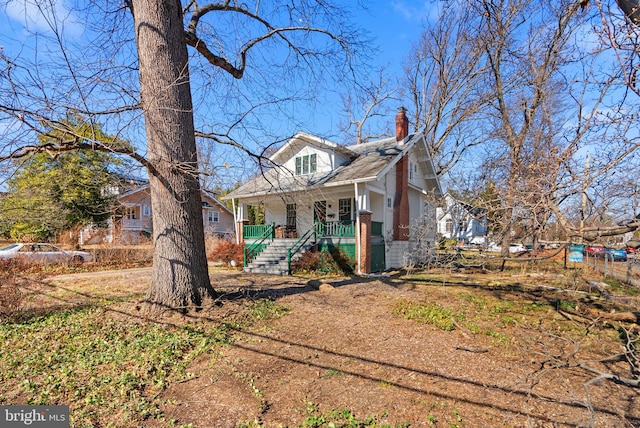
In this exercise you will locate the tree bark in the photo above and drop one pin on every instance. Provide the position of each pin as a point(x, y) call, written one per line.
point(180, 274)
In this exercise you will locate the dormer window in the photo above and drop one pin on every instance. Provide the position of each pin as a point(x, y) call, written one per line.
point(306, 164)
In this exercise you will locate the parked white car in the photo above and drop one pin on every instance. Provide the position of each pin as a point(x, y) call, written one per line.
point(517, 248)
point(494, 248)
point(513, 248)
point(43, 253)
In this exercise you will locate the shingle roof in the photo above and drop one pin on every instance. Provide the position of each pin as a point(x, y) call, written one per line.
point(369, 160)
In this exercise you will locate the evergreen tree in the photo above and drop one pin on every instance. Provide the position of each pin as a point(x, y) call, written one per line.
point(49, 193)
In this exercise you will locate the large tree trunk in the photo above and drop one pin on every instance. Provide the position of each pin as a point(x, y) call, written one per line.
point(180, 274)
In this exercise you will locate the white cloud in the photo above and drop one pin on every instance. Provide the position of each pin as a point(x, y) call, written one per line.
point(415, 11)
point(46, 16)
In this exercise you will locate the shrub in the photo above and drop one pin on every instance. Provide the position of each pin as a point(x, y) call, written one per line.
point(447, 243)
point(11, 297)
point(123, 255)
point(226, 251)
point(322, 262)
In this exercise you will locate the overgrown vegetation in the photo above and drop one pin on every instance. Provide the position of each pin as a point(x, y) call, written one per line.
point(16, 275)
point(114, 369)
point(100, 366)
point(125, 256)
point(11, 297)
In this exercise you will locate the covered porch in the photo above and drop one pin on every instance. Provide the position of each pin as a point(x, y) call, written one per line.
point(362, 242)
point(351, 217)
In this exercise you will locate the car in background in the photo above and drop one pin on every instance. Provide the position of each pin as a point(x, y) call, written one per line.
point(517, 248)
point(513, 248)
point(593, 249)
point(43, 253)
point(494, 248)
point(615, 254)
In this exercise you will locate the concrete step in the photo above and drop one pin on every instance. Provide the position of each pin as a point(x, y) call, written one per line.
point(273, 259)
point(273, 270)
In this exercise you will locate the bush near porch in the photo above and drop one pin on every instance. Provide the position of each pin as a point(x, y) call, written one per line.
point(333, 262)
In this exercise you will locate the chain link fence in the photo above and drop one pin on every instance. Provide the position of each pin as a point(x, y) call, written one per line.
point(627, 271)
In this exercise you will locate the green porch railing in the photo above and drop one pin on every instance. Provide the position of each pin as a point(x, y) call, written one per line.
point(376, 228)
point(297, 246)
point(335, 228)
point(256, 231)
point(253, 249)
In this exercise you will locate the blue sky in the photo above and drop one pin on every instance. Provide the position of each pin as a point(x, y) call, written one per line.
point(393, 24)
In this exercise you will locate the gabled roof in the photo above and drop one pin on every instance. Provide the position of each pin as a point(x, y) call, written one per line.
point(475, 212)
point(281, 153)
point(213, 197)
point(368, 162)
point(134, 191)
point(146, 188)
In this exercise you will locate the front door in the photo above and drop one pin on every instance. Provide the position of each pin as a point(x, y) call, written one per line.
point(291, 216)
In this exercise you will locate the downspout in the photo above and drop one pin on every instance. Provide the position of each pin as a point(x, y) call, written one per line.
point(358, 249)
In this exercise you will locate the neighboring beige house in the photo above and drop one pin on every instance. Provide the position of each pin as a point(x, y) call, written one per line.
point(368, 199)
point(133, 222)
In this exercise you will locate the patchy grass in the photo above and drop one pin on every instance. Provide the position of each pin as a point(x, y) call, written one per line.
point(620, 287)
point(105, 367)
point(265, 309)
point(427, 313)
point(344, 418)
point(347, 350)
point(483, 312)
point(100, 365)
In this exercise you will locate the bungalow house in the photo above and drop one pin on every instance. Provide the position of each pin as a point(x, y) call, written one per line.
point(365, 199)
point(461, 221)
point(132, 220)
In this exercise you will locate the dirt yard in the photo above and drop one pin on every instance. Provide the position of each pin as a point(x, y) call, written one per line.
point(451, 350)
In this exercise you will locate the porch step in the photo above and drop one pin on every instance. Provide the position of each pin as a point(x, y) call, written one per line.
point(273, 259)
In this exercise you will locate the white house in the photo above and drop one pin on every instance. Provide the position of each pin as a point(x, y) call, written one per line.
point(461, 221)
point(364, 198)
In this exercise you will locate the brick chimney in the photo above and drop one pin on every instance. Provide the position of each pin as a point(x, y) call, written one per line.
point(402, 125)
point(401, 200)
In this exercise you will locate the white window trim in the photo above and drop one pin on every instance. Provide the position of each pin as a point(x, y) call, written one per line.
point(213, 216)
point(311, 167)
point(413, 171)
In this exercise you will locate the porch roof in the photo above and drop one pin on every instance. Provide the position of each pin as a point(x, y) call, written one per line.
point(370, 162)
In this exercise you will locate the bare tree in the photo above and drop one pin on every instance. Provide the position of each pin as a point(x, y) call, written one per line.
point(180, 272)
point(232, 42)
point(610, 206)
point(365, 103)
point(442, 76)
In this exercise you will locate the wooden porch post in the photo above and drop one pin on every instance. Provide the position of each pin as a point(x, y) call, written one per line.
point(364, 257)
point(240, 226)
